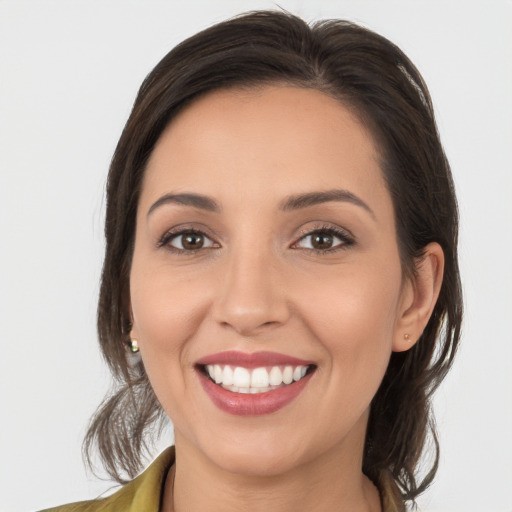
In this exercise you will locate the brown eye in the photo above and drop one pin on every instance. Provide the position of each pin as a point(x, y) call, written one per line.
point(190, 241)
point(322, 241)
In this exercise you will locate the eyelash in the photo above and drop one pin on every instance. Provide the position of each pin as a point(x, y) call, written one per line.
point(345, 237)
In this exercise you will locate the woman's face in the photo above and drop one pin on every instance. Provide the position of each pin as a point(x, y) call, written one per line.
point(266, 248)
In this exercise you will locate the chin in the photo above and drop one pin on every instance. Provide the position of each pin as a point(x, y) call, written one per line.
point(262, 462)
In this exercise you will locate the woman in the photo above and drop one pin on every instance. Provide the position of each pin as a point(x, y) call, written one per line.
point(280, 276)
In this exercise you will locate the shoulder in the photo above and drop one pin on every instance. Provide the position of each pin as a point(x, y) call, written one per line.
point(140, 495)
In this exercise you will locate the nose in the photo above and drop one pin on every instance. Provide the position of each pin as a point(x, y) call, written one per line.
point(251, 296)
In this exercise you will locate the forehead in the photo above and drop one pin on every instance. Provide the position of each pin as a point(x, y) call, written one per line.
point(264, 142)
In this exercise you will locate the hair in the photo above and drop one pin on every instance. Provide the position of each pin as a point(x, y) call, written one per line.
point(374, 79)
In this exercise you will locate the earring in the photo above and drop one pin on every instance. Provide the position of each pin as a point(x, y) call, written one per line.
point(134, 346)
point(407, 337)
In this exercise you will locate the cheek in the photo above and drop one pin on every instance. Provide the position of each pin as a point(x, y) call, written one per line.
point(353, 316)
point(166, 312)
point(363, 298)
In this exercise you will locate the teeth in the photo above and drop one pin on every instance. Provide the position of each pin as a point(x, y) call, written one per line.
point(259, 380)
point(241, 377)
point(276, 376)
point(217, 374)
point(288, 375)
point(227, 376)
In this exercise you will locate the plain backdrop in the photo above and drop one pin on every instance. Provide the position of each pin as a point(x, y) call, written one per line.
point(69, 72)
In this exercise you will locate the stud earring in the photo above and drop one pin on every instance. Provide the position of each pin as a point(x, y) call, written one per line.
point(134, 346)
point(407, 337)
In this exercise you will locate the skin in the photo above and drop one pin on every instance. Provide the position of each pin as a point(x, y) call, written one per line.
point(258, 284)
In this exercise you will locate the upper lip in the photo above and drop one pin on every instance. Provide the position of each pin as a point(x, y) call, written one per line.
point(252, 360)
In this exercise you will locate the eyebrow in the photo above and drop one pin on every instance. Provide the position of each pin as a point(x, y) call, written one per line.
point(291, 203)
point(187, 199)
point(313, 198)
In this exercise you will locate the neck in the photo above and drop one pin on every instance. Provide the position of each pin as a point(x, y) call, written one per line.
point(331, 482)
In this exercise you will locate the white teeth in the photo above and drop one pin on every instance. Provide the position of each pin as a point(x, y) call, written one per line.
point(227, 376)
point(217, 374)
point(276, 376)
point(287, 375)
point(241, 377)
point(259, 380)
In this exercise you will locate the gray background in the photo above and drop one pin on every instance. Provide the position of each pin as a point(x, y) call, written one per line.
point(69, 72)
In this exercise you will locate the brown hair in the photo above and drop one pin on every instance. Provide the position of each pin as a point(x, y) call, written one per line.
point(371, 76)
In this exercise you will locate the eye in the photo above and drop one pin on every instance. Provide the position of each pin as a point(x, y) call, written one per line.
point(189, 240)
point(324, 239)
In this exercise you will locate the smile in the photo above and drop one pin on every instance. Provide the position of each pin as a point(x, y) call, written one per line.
point(253, 384)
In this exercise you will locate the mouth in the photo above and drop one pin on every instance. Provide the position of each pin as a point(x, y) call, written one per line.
point(253, 384)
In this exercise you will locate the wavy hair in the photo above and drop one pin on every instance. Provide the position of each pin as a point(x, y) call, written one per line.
point(374, 79)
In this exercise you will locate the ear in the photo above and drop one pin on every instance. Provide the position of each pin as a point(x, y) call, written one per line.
point(419, 296)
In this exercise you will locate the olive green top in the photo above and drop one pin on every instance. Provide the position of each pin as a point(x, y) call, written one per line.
point(144, 493)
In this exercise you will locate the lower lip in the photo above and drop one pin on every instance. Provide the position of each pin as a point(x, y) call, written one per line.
point(247, 404)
